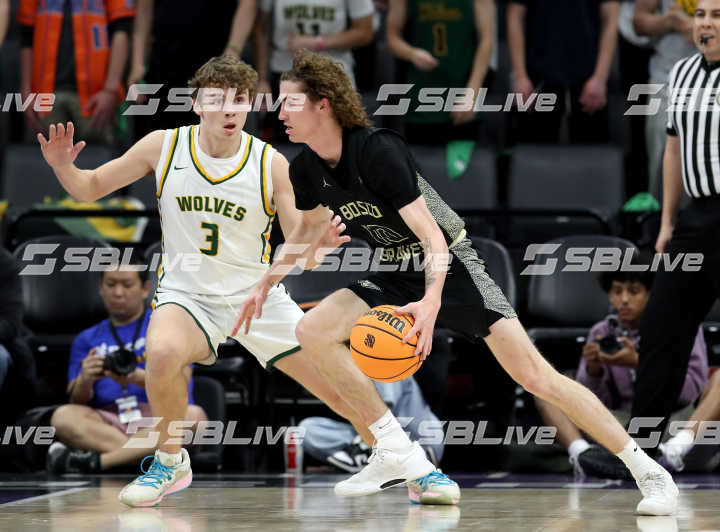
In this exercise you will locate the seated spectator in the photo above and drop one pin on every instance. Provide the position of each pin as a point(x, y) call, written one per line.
point(609, 359)
point(444, 47)
point(93, 429)
point(706, 416)
point(338, 444)
point(84, 74)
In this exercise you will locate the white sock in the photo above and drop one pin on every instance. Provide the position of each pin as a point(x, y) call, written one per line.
point(577, 447)
point(389, 434)
point(167, 459)
point(636, 460)
point(682, 442)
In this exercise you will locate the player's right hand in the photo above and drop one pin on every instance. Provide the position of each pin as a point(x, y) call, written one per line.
point(59, 149)
point(92, 366)
point(251, 307)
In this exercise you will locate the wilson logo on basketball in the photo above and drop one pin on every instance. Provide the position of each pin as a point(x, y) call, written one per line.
point(393, 321)
point(369, 340)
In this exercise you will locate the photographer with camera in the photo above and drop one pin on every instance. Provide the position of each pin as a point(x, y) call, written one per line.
point(106, 382)
point(609, 360)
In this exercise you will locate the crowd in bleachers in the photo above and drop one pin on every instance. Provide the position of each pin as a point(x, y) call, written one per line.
point(518, 177)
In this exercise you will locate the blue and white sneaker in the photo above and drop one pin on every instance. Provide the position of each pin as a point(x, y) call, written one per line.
point(157, 481)
point(434, 488)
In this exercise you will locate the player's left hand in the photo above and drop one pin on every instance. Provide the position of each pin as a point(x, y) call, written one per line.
point(627, 356)
point(593, 96)
point(425, 313)
point(251, 307)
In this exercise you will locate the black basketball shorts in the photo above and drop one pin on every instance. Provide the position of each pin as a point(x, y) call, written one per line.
point(471, 301)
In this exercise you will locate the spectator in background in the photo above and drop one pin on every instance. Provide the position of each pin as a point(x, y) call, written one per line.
point(560, 46)
point(331, 27)
point(171, 40)
point(4, 19)
point(609, 360)
point(674, 450)
point(446, 44)
point(13, 383)
point(78, 51)
point(634, 52)
point(665, 21)
point(93, 428)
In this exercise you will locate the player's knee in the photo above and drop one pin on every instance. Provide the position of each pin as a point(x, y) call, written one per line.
point(309, 332)
point(165, 360)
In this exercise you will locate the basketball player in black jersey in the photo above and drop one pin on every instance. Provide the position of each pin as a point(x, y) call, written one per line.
point(367, 177)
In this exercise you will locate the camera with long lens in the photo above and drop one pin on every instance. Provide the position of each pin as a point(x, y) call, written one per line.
point(609, 344)
point(121, 362)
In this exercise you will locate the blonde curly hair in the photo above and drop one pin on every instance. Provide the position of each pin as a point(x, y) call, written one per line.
point(321, 77)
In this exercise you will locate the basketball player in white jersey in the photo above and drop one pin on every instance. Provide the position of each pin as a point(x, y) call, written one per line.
point(218, 191)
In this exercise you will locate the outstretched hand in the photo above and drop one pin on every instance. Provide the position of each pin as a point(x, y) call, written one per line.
point(59, 149)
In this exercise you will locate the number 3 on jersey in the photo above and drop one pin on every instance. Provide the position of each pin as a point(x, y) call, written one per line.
point(212, 238)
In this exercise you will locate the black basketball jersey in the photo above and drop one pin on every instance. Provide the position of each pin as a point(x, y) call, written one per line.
point(369, 214)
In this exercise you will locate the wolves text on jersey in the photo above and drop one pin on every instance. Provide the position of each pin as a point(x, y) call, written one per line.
point(211, 204)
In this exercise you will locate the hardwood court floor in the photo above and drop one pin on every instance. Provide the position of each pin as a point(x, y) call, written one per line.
point(493, 502)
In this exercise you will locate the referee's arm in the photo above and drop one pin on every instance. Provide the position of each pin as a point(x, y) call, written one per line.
point(672, 190)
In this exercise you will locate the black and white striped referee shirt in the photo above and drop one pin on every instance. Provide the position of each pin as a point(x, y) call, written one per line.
point(694, 117)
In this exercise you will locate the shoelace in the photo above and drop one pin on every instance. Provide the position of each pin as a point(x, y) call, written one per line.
point(653, 485)
point(377, 455)
point(436, 477)
point(156, 474)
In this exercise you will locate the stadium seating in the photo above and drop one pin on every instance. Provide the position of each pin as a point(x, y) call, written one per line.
point(475, 189)
point(58, 304)
point(565, 304)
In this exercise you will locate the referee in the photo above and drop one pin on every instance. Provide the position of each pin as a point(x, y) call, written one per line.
point(679, 301)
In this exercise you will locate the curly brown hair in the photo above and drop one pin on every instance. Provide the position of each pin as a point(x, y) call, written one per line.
point(322, 77)
point(226, 72)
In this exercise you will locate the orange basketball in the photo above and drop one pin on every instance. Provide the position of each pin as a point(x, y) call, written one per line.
point(377, 348)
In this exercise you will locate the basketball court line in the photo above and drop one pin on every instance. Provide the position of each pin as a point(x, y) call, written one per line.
point(46, 496)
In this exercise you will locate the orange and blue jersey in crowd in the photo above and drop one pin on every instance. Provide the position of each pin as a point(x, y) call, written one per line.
point(90, 38)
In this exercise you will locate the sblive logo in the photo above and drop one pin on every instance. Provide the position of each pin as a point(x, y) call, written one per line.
point(101, 259)
point(604, 259)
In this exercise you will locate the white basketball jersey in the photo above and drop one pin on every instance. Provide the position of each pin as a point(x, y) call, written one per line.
point(216, 214)
point(312, 17)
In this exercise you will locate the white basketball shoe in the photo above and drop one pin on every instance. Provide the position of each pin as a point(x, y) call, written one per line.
point(434, 488)
point(660, 494)
point(386, 469)
point(157, 481)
